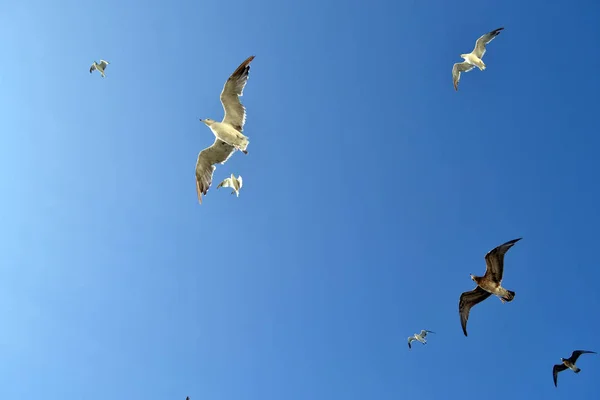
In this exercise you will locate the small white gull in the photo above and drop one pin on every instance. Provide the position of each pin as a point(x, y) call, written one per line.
point(234, 183)
point(419, 337)
point(474, 58)
point(228, 133)
point(99, 66)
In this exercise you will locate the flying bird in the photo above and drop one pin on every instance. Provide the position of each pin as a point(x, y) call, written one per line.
point(490, 283)
point(569, 363)
point(474, 58)
point(100, 67)
point(228, 133)
point(419, 337)
point(234, 183)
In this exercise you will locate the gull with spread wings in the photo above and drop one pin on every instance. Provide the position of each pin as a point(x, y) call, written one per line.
point(228, 133)
point(234, 183)
point(569, 363)
point(100, 67)
point(419, 337)
point(488, 284)
point(474, 58)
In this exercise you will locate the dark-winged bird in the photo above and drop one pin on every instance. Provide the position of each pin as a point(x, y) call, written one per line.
point(490, 283)
point(568, 363)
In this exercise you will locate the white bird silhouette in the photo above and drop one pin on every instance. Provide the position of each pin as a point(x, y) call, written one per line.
point(100, 67)
point(234, 183)
point(474, 58)
point(419, 337)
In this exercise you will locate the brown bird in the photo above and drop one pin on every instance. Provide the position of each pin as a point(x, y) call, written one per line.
point(490, 283)
point(568, 363)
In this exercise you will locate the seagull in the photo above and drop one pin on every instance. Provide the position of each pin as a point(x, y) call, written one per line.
point(569, 363)
point(420, 337)
point(100, 67)
point(474, 58)
point(490, 283)
point(234, 183)
point(228, 133)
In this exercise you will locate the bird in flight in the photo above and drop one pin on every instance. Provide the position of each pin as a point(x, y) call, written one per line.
point(569, 363)
point(234, 183)
point(228, 133)
point(474, 58)
point(100, 67)
point(490, 283)
point(419, 337)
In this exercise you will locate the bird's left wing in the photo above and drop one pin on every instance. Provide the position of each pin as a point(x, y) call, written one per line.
point(577, 353)
point(219, 152)
point(457, 69)
point(467, 301)
point(557, 368)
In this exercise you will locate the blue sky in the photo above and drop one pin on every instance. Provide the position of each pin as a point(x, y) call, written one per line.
point(372, 190)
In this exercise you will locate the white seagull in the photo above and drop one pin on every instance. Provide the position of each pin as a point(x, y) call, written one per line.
point(234, 183)
point(228, 133)
point(100, 67)
point(474, 58)
point(419, 337)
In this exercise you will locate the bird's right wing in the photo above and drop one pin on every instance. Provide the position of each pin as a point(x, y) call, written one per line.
point(103, 64)
point(494, 261)
point(480, 44)
point(219, 152)
point(467, 301)
point(410, 339)
point(456, 71)
point(235, 112)
point(557, 368)
point(240, 181)
point(93, 67)
point(577, 353)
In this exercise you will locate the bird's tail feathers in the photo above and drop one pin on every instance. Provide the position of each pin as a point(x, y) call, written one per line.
point(578, 370)
point(509, 296)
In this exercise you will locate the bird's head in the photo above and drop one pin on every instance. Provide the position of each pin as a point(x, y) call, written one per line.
point(208, 121)
point(463, 56)
point(473, 277)
point(562, 359)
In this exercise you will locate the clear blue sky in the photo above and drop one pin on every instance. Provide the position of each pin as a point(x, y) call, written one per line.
point(372, 190)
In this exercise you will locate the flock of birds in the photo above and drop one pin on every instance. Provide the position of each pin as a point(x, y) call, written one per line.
point(491, 284)
point(229, 138)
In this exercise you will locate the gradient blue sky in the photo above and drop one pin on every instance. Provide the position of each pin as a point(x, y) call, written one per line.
point(372, 190)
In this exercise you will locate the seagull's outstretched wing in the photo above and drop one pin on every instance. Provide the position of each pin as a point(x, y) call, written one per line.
point(240, 181)
point(103, 64)
point(410, 339)
point(467, 301)
point(219, 152)
point(227, 182)
point(480, 44)
point(235, 112)
point(424, 333)
point(577, 353)
point(557, 368)
point(456, 71)
point(93, 67)
point(494, 261)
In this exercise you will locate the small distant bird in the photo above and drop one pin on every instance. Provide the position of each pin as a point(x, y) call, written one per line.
point(419, 337)
point(569, 363)
point(228, 133)
point(490, 283)
point(234, 183)
point(474, 58)
point(100, 67)
point(187, 398)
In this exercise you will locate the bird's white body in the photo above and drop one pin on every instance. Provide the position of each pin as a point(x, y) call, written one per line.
point(474, 60)
point(234, 183)
point(227, 133)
